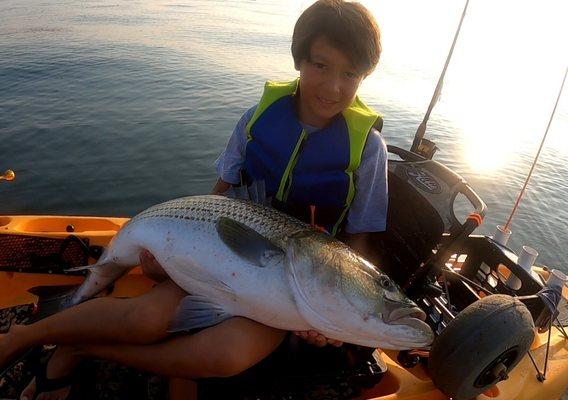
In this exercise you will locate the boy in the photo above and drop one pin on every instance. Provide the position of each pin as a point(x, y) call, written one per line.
point(316, 126)
point(313, 146)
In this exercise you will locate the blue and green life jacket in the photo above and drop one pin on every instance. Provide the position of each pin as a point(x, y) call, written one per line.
point(302, 171)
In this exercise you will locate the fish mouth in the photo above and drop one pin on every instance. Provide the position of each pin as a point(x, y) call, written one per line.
point(413, 318)
point(404, 314)
point(415, 323)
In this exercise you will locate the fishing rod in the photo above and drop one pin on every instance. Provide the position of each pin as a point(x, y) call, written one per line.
point(422, 128)
point(516, 206)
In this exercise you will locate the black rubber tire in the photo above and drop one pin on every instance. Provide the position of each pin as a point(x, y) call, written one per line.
point(497, 327)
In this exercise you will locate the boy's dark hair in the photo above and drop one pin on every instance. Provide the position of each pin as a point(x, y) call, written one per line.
point(348, 26)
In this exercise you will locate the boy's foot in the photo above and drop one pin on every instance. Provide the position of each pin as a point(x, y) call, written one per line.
point(11, 346)
point(60, 365)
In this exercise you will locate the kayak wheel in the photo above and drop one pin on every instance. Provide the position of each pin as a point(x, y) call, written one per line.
point(481, 346)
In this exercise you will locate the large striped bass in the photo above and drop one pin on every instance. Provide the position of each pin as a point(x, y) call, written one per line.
point(238, 258)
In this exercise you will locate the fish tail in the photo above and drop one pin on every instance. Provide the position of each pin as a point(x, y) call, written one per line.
point(51, 300)
point(101, 277)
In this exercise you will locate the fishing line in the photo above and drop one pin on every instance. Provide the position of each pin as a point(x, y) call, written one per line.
point(422, 128)
point(506, 228)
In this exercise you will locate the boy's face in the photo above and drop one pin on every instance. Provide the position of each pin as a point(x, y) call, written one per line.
point(328, 83)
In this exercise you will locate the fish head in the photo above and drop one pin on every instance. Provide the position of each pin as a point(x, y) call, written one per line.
point(351, 297)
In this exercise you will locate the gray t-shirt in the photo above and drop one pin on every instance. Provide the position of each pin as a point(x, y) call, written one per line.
point(368, 212)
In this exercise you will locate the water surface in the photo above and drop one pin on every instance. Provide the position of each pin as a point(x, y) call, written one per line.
point(107, 107)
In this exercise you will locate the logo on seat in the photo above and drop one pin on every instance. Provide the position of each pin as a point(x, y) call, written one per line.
point(423, 180)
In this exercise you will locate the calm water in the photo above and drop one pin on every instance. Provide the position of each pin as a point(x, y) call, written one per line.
point(107, 107)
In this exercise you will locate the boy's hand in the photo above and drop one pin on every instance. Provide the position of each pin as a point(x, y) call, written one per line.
point(317, 339)
point(151, 268)
point(220, 187)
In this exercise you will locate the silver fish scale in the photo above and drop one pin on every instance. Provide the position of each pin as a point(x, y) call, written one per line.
point(267, 221)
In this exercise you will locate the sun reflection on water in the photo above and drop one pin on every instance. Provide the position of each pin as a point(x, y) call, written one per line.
point(503, 79)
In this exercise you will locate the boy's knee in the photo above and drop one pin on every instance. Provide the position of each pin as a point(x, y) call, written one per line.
point(232, 363)
point(148, 322)
point(151, 268)
point(245, 344)
point(229, 366)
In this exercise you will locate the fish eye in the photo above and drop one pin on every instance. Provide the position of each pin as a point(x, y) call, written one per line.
point(385, 282)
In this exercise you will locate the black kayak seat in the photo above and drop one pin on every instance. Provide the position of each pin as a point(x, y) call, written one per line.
point(422, 193)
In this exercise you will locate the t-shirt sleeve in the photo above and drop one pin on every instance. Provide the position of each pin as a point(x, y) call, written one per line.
point(231, 160)
point(368, 212)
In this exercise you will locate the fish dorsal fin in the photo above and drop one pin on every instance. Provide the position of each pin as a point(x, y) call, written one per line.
point(246, 242)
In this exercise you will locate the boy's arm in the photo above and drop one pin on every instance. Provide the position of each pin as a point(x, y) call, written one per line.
point(368, 213)
point(231, 160)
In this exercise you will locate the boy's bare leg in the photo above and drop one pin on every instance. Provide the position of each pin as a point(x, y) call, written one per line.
point(222, 350)
point(182, 389)
point(139, 320)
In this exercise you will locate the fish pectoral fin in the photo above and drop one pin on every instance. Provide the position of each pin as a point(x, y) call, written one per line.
point(81, 268)
point(196, 312)
point(89, 266)
point(246, 242)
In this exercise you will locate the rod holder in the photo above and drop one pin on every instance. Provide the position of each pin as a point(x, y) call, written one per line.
point(525, 261)
point(557, 278)
point(502, 235)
